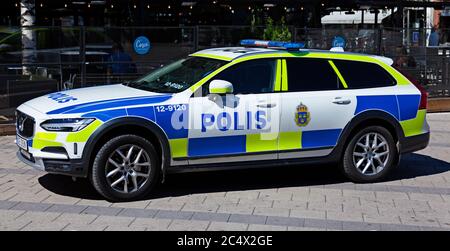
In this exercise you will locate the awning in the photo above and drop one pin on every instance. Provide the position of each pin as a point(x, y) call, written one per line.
point(339, 17)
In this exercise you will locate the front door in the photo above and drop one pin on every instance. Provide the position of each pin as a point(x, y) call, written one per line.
point(241, 126)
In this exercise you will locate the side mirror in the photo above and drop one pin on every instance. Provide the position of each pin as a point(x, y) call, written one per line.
point(220, 87)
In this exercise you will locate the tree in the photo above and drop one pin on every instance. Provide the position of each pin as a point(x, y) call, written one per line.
point(277, 32)
point(27, 21)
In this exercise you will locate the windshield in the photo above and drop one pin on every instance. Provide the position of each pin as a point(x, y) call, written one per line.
point(177, 76)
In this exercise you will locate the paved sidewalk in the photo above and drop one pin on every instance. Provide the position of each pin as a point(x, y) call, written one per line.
point(417, 197)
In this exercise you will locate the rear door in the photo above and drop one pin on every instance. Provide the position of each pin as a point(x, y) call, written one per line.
point(375, 89)
point(314, 108)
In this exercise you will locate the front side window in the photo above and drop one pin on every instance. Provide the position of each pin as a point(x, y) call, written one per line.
point(253, 76)
point(178, 76)
point(363, 75)
point(311, 74)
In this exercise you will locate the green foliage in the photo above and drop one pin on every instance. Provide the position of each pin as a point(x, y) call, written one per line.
point(277, 32)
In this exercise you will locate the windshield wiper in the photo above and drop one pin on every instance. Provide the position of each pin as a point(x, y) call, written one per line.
point(131, 83)
point(136, 84)
point(148, 86)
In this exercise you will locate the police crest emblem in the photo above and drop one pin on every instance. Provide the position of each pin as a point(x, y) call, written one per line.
point(302, 116)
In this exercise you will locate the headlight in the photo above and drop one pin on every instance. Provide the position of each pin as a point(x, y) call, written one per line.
point(66, 125)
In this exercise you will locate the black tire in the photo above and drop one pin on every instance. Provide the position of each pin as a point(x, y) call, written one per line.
point(98, 172)
point(348, 164)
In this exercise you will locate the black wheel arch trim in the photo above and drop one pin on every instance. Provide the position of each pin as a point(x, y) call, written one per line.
point(118, 122)
point(357, 121)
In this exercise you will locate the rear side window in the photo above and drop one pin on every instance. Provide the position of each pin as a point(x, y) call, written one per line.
point(364, 75)
point(310, 74)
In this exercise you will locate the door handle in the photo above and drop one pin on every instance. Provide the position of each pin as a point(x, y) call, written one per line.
point(340, 101)
point(268, 105)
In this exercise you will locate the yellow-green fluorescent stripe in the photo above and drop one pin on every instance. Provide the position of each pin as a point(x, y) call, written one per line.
point(284, 84)
point(205, 55)
point(83, 135)
point(46, 135)
point(194, 87)
point(41, 143)
point(338, 73)
point(414, 126)
point(401, 80)
point(290, 140)
point(45, 139)
point(278, 77)
point(220, 90)
point(261, 142)
point(178, 147)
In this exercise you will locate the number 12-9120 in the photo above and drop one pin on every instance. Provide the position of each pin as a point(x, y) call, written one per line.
point(170, 108)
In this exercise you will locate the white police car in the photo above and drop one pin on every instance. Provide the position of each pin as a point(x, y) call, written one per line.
point(229, 108)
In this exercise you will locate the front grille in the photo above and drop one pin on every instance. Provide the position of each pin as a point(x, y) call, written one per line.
point(24, 125)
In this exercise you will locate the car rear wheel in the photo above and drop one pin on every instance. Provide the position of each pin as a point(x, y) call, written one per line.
point(370, 155)
point(125, 168)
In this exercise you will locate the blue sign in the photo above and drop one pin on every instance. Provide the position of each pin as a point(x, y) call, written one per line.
point(415, 37)
point(338, 41)
point(141, 45)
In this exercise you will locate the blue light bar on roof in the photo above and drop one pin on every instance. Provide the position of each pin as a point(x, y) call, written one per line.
point(273, 44)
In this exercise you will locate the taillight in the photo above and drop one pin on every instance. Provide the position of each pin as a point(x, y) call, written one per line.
point(423, 93)
point(423, 96)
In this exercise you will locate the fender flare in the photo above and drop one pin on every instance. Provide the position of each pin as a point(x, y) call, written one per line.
point(133, 121)
point(361, 118)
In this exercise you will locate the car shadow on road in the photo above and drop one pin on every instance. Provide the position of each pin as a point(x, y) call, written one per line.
point(411, 166)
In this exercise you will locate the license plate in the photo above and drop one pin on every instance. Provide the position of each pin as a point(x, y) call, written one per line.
point(22, 143)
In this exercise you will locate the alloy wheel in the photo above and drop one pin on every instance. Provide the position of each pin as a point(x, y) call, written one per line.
point(371, 153)
point(128, 168)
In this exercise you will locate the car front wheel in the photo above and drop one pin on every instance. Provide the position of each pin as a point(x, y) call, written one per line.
point(370, 155)
point(125, 168)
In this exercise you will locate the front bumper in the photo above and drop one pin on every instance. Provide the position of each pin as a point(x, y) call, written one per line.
point(414, 143)
point(38, 164)
point(71, 167)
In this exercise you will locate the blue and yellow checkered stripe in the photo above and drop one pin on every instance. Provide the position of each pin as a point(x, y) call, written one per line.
point(250, 143)
point(402, 107)
point(183, 146)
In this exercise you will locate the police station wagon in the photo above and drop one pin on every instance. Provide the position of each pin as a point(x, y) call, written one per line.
point(263, 104)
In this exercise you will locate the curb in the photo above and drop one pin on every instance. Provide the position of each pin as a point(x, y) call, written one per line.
point(7, 129)
point(439, 105)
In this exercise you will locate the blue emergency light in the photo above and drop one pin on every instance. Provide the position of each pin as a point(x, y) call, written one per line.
point(272, 44)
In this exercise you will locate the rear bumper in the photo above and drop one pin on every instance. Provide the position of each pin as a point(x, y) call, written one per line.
point(414, 143)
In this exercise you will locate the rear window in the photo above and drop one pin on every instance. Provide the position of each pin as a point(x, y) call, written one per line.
point(364, 75)
point(309, 74)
